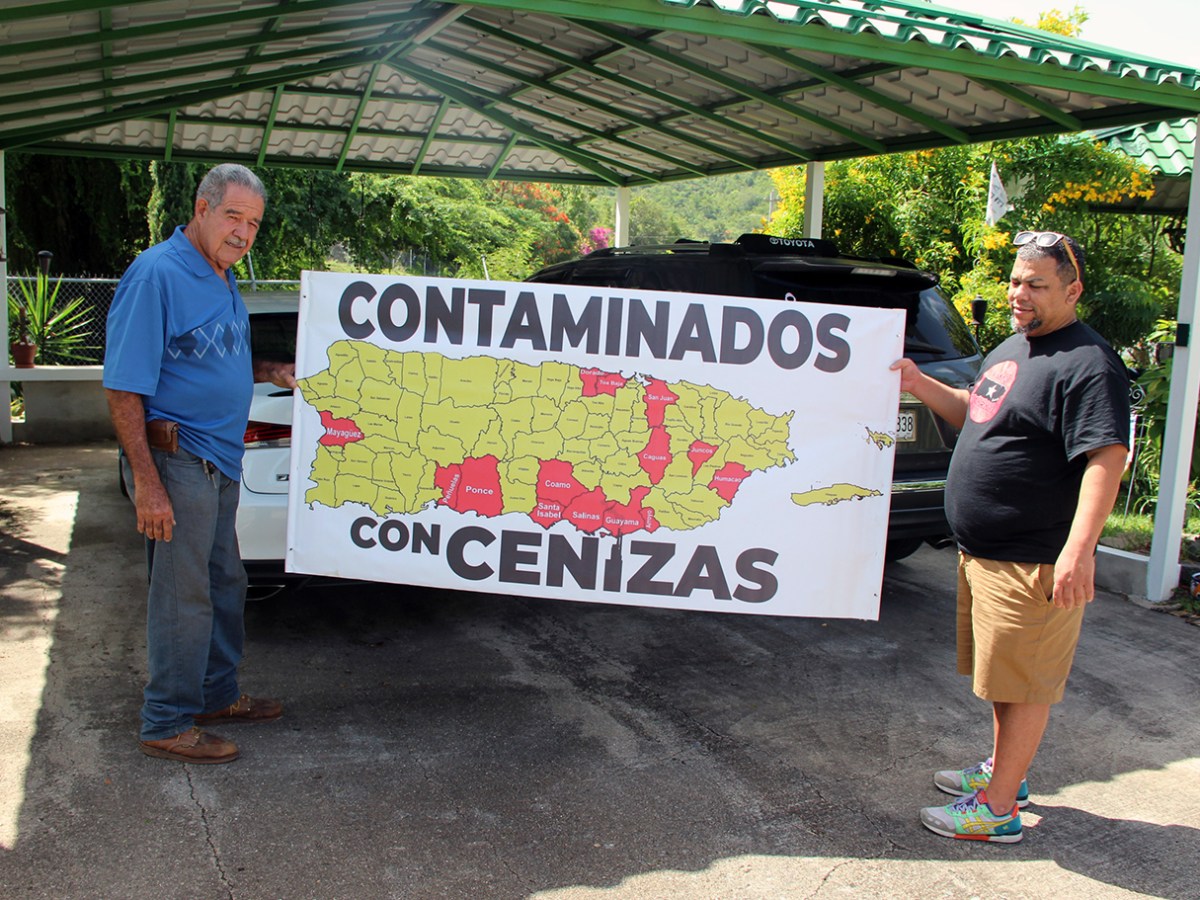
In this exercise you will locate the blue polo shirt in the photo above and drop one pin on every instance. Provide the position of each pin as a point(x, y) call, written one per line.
point(180, 336)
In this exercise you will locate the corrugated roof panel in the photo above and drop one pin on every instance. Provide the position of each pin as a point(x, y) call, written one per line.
point(1165, 148)
point(453, 153)
point(621, 100)
point(535, 159)
point(142, 134)
point(661, 76)
point(620, 78)
point(309, 145)
point(557, 34)
point(461, 122)
point(801, 132)
point(728, 59)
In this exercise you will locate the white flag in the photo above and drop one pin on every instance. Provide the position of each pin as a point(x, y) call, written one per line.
point(997, 199)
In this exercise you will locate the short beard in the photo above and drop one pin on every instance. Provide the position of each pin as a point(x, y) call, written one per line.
point(1034, 325)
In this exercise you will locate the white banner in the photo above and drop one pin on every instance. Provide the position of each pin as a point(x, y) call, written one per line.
point(599, 444)
point(997, 204)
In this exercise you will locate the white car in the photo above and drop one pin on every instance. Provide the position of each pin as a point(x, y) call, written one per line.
point(262, 508)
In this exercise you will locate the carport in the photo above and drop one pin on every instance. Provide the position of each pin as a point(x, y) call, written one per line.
point(621, 93)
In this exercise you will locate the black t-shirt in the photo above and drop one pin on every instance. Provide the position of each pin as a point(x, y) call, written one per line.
point(1039, 406)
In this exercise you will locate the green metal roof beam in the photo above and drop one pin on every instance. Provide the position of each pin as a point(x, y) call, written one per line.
point(107, 33)
point(463, 98)
point(764, 28)
point(311, 128)
point(486, 105)
point(594, 104)
point(169, 142)
point(270, 125)
point(684, 106)
point(985, 28)
point(501, 156)
point(106, 46)
point(732, 84)
point(269, 28)
point(791, 88)
point(308, 90)
point(358, 114)
point(430, 135)
point(594, 133)
point(201, 92)
point(903, 110)
point(1034, 104)
point(62, 8)
point(324, 165)
point(171, 54)
point(264, 81)
point(188, 71)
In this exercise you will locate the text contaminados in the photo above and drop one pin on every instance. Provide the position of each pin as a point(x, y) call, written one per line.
point(612, 325)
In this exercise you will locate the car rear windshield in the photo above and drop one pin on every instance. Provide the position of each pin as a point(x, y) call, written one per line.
point(273, 336)
point(933, 328)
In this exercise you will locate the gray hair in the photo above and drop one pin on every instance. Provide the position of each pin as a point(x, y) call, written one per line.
point(219, 178)
point(1060, 254)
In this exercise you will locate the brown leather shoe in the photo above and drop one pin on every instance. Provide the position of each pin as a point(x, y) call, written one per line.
point(247, 709)
point(193, 746)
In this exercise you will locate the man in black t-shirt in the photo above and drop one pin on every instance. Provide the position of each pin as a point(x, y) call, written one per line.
point(1045, 432)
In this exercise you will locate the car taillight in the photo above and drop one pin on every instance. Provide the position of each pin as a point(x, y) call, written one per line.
point(267, 434)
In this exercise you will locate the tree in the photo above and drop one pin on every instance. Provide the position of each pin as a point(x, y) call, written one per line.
point(174, 197)
point(651, 222)
point(89, 213)
point(928, 207)
point(556, 237)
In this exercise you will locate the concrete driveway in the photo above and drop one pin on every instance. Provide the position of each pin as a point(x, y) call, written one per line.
point(459, 745)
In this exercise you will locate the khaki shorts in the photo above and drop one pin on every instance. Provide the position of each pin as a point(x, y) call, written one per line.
point(1014, 642)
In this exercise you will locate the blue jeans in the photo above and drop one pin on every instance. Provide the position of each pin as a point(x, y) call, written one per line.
point(194, 620)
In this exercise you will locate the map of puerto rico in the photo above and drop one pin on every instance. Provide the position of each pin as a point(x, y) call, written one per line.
point(606, 453)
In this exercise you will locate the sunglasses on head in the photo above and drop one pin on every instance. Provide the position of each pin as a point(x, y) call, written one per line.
point(1047, 239)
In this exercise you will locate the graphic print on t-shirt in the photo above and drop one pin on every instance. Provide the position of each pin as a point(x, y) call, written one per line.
point(991, 389)
point(223, 337)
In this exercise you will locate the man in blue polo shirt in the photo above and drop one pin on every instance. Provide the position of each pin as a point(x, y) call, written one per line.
point(178, 375)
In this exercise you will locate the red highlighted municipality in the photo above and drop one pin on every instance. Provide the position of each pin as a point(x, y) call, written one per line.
point(597, 381)
point(473, 484)
point(556, 482)
point(655, 458)
point(727, 481)
point(658, 397)
point(561, 498)
point(626, 518)
point(339, 432)
point(700, 453)
point(586, 512)
point(547, 512)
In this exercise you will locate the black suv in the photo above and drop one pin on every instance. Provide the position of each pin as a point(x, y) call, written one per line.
point(812, 270)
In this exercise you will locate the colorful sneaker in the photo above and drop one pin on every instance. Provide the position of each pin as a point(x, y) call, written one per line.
point(960, 782)
point(970, 819)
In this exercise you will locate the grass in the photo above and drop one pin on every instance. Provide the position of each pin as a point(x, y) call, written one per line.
point(1133, 532)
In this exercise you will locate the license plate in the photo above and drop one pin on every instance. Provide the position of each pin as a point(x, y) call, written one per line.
point(906, 426)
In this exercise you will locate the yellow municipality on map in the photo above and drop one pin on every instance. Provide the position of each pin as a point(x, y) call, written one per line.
point(835, 493)
point(604, 452)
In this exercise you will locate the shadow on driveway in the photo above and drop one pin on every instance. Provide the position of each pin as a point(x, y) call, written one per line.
point(443, 744)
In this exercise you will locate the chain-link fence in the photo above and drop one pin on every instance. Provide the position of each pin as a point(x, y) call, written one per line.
point(82, 305)
point(81, 341)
